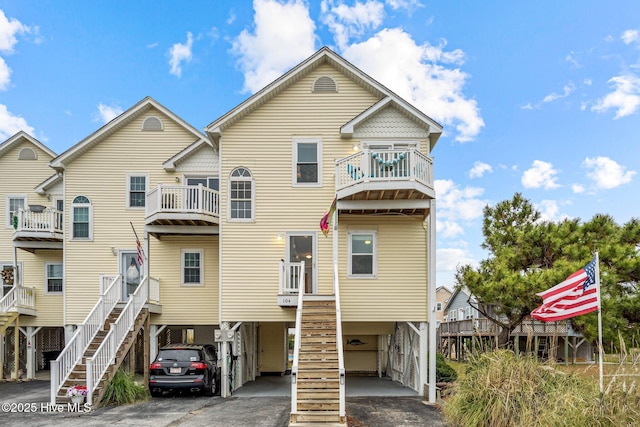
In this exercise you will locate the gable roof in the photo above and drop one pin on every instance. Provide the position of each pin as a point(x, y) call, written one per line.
point(48, 183)
point(19, 138)
point(459, 289)
point(170, 164)
point(321, 57)
point(118, 123)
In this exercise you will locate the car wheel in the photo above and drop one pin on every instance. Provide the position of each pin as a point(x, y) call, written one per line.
point(211, 390)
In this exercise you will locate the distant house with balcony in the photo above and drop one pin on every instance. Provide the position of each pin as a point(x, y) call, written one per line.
point(465, 329)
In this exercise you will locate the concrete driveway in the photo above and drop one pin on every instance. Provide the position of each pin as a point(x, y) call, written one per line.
point(27, 403)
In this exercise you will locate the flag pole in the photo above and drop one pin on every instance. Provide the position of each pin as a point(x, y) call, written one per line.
point(600, 350)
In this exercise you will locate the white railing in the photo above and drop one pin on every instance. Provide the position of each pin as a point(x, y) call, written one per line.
point(19, 297)
point(49, 220)
point(84, 334)
point(341, 369)
point(105, 355)
point(296, 344)
point(290, 274)
point(383, 166)
point(183, 199)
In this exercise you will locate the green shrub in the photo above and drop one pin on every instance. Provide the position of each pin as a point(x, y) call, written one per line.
point(502, 389)
point(444, 372)
point(123, 390)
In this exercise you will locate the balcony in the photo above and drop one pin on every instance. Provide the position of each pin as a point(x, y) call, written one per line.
point(388, 180)
point(38, 228)
point(182, 209)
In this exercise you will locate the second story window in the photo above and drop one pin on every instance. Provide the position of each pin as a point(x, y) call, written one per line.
point(362, 254)
point(307, 165)
point(14, 202)
point(53, 278)
point(137, 187)
point(81, 212)
point(192, 267)
point(241, 195)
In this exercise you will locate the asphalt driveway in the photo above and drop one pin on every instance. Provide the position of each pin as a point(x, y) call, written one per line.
point(27, 403)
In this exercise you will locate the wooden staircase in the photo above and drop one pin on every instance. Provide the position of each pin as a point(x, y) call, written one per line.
point(6, 320)
point(79, 374)
point(318, 376)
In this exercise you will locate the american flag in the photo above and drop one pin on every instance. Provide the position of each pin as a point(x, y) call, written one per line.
point(576, 296)
point(138, 246)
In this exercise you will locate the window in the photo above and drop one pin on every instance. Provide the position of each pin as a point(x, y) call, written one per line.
point(453, 315)
point(241, 195)
point(192, 267)
point(211, 182)
point(362, 254)
point(81, 227)
point(307, 166)
point(11, 277)
point(14, 202)
point(438, 306)
point(53, 277)
point(136, 189)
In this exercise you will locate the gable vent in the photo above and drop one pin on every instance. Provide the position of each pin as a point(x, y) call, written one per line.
point(27, 154)
point(152, 123)
point(325, 84)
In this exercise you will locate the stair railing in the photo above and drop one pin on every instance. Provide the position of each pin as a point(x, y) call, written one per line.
point(62, 367)
point(296, 344)
point(19, 297)
point(105, 355)
point(336, 291)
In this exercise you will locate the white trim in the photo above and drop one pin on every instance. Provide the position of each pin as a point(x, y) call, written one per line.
point(46, 278)
point(7, 214)
point(71, 215)
point(399, 144)
point(251, 178)
point(374, 242)
point(205, 176)
point(314, 253)
point(182, 266)
point(438, 306)
point(10, 264)
point(294, 161)
point(130, 175)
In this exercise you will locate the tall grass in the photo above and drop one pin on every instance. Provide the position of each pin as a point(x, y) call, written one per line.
point(123, 390)
point(502, 389)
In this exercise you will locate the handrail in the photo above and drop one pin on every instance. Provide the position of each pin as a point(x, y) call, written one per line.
point(296, 344)
point(105, 355)
point(290, 273)
point(62, 367)
point(8, 301)
point(336, 291)
point(49, 220)
point(182, 199)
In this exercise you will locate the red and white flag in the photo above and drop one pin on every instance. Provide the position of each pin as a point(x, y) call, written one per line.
point(576, 296)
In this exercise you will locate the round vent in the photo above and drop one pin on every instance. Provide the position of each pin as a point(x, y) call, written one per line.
point(325, 84)
point(27, 154)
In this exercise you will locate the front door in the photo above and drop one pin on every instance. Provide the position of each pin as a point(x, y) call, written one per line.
point(302, 247)
point(131, 273)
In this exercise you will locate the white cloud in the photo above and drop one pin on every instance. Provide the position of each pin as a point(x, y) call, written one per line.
point(607, 173)
point(404, 4)
point(152, 45)
point(418, 76)
point(527, 106)
point(540, 175)
point(448, 229)
point(180, 53)
point(478, 169)
point(454, 203)
point(106, 113)
point(5, 75)
point(567, 90)
point(9, 28)
point(348, 22)
point(630, 36)
point(283, 37)
point(578, 188)
point(548, 210)
point(11, 124)
point(449, 259)
point(587, 82)
point(625, 99)
point(570, 58)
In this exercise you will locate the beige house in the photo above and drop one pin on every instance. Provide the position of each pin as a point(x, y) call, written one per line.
point(231, 249)
point(442, 297)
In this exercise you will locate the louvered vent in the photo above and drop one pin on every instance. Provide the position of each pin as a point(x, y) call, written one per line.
point(152, 123)
point(325, 84)
point(27, 154)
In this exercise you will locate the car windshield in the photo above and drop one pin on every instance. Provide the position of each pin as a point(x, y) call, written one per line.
point(179, 355)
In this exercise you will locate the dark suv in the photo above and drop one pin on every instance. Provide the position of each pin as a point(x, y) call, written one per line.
point(185, 367)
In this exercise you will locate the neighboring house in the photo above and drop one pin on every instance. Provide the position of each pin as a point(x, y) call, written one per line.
point(227, 241)
point(31, 313)
point(442, 297)
point(466, 328)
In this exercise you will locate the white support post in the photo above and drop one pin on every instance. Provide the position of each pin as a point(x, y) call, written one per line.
point(30, 334)
point(154, 331)
point(423, 357)
point(431, 291)
point(224, 350)
point(68, 333)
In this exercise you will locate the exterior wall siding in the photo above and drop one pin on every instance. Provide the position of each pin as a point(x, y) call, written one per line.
point(101, 175)
point(185, 305)
point(390, 123)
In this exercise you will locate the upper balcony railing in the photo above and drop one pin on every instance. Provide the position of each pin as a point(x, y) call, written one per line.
point(370, 166)
point(46, 220)
point(183, 199)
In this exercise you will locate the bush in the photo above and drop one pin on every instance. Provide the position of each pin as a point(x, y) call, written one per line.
point(444, 372)
point(123, 390)
point(502, 389)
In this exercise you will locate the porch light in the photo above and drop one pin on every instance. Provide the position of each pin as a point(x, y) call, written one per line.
point(355, 147)
point(308, 256)
point(279, 236)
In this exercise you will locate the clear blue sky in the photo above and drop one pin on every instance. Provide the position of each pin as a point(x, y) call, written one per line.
point(537, 97)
